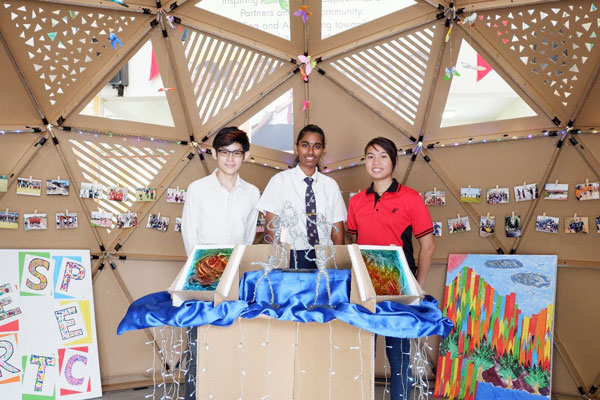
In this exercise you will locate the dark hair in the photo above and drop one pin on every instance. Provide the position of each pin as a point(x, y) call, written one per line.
point(230, 135)
point(387, 145)
point(307, 129)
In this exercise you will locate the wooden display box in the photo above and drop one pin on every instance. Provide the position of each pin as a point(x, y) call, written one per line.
point(267, 358)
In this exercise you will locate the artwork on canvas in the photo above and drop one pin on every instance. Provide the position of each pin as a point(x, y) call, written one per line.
point(576, 225)
point(3, 183)
point(546, 224)
point(91, 190)
point(145, 194)
point(487, 226)
point(29, 187)
point(556, 191)
point(502, 307)
point(116, 193)
point(177, 224)
point(388, 270)
point(127, 220)
point(205, 268)
point(35, 222)
point(437, 228)
point(512, 225)
point(157, 222)
point(101, 218)
point(47, 326)
point(526, 192)
point(9, 220)
point(458, 225)
point(498, 196)
point(57, 187)
point(176, 195)
point(587, 191)
point(66, 221)
point(435, 198)
point(470, 195)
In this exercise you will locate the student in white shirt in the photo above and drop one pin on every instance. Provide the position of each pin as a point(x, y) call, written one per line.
point(293, 186)
point(219, 209)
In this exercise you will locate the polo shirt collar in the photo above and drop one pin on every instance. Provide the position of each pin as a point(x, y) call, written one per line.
point(300, 175)
point(394, 187)
point(214, 181)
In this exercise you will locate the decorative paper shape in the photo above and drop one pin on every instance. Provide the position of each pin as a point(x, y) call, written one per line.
point(73, 279)
point(388, 270)
point(503, 310)
point(74, 372)
point(37, 273)
point(10, 359)
point(41, 373)
point(70, 322)
point(491, 96)
point(9, 308)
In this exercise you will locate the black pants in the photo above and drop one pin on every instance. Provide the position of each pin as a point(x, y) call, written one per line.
point(303, 263)
point(190, 376)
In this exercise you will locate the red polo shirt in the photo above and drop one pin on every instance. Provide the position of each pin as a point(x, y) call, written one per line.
point(391, 218)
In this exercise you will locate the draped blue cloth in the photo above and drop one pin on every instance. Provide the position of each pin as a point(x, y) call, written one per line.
point(292, 299)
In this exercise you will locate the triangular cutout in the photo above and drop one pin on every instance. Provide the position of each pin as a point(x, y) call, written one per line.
point(338, 17)
point(136, 93)
point(221, 73)
point(393, 71)
point(270, 16)
point(273, 126)
point(64, 47)
point(478, 94)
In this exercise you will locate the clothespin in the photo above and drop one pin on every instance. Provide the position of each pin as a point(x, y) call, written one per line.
point(67, 212)
point(496, 187)
point(31, 178)
point(513, 215)
point(556, 182)
point(575, 216)
point(35, 211)
point(458, 215)
point(434, 190)
point(524, 183)
point(158, 216)
point(177, 188)
point(487, 216)
point(469, 187)
point(587, 182)
point(6, 211)
point(544, 215)
point(58, 178)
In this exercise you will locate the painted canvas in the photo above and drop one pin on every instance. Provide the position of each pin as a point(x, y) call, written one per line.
point(206, 268)
point(502, 307)
point(388, 270)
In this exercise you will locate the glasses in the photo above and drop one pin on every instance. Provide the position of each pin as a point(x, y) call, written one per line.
point(226, 153)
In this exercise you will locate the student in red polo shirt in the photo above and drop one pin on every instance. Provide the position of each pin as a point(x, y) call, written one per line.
point(389, 213)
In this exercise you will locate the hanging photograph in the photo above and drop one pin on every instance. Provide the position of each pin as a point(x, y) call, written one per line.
point(66, 221)
point(116, 193)
point(261, 221)
point(157, 222)
point(128, 220)
point(102, 219)
point(435, 198)
point(437, 228)
point(513, 225)
point(487, 226)
point(470, 195)
point(145, 194)
point(458, 225)
point(526, 192)
point(29, 187)
point(3, 183)
point(587, 191)
point(57, 187)
point(546, 224)
point(35, 222)
point(177, 224)
point(175, 195)
point(9, 220)
point(556, 191)
point(91, 190)
point(497, 196)
point(576, 225)
point(598, 224)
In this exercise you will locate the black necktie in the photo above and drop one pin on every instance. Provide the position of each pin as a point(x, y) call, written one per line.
point(311, 213)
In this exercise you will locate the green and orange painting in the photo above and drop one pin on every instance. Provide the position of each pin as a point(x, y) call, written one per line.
point(387, 272)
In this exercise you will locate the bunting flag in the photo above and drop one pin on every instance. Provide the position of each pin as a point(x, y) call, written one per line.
point(154, 71)
point(481, 72)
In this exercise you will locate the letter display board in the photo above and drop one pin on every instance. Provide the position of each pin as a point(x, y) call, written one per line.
point(48, 345)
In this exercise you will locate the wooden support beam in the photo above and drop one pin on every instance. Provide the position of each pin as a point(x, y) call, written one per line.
point(455, 192)
point(582, 149)
point(570, 366)
point(24, 160)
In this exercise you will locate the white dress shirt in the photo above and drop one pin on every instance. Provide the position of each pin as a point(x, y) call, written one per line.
point(290, 186)
point(213, 215)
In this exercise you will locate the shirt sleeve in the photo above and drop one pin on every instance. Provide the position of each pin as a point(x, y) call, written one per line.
point(270, 201)
point(351, 224)
point(421, 219)
point(188, 229)
point(339, 207)
point(252, 217)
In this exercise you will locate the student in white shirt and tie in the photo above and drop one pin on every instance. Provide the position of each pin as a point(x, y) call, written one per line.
point(308, 191)
point(219, 209)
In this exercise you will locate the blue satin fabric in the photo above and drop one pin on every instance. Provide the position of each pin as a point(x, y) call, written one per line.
point(294, 293)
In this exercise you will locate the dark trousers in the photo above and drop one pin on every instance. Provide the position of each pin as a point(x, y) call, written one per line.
point(302, 262)
point(190, 376)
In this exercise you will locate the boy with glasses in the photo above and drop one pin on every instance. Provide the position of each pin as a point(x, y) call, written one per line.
point(219, 209)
